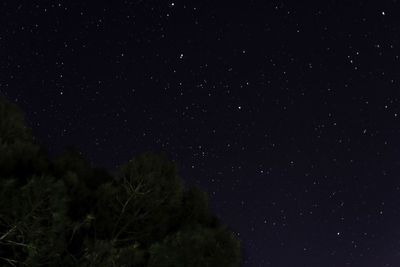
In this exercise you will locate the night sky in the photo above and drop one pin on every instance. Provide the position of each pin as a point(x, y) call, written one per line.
point(287, 114)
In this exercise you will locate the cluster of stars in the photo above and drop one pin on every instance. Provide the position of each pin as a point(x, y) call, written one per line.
point(287, 116)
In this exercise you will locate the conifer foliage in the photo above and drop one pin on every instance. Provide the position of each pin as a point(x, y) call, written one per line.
point(65, 212)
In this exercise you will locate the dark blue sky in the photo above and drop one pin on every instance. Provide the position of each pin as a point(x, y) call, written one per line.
point(287, 114)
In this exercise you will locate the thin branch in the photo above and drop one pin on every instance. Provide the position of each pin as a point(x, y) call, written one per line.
point(120, 215)
point(12, 262)
point(8, 232)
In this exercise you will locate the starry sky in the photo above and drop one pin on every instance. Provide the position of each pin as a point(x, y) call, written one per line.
point(287, 114)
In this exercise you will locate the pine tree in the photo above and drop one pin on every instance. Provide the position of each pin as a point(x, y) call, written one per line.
point(66, 212)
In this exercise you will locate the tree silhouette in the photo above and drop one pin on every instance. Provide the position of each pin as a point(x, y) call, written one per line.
point(65, 212)
point(21, 155)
